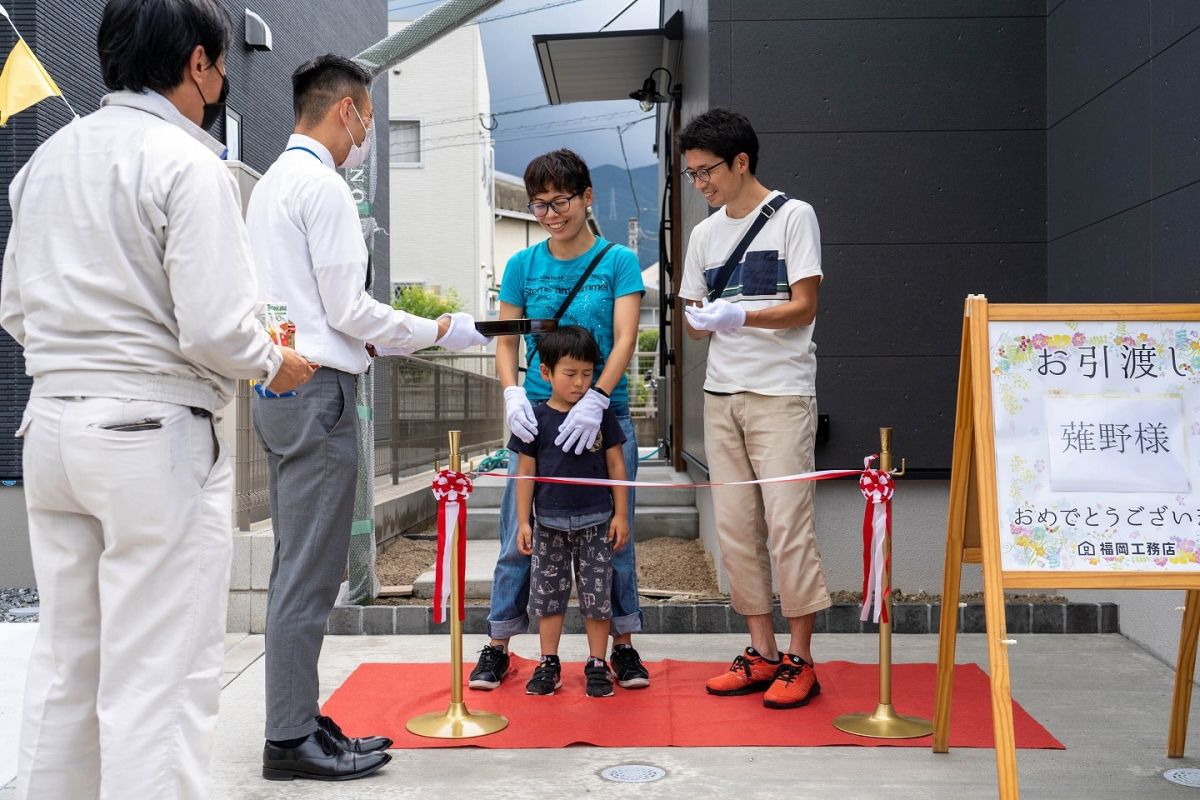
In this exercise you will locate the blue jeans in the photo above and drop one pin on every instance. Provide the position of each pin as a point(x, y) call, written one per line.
point(510, 582)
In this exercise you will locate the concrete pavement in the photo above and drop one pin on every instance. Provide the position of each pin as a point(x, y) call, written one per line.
point(1104, 697)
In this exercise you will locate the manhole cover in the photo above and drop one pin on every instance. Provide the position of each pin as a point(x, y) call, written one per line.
point(1184, 777)
point(634, 773)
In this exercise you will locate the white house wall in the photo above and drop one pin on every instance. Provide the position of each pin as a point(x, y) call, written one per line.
point(441, 209)
point(512, 236)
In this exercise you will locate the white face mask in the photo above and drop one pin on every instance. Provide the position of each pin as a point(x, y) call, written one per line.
point(358, 150)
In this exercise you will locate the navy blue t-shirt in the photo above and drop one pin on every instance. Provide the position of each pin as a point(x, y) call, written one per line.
point(560, 499)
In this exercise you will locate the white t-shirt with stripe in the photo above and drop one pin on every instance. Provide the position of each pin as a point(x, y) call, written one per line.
point(786, 250)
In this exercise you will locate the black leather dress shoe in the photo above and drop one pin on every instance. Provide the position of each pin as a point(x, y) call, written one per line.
point(318, 758)
point(365, 744)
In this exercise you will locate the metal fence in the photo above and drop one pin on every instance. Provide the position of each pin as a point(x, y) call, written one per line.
point(478, 363)
point(251, 501)
point(428, 399)
point(423, 400)
point(643, 384)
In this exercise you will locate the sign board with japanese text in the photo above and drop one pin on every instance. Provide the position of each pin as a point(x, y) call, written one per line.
point(1097, 438)
point(1076, 465)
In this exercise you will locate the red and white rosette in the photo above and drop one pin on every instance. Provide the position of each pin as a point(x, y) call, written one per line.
point(877, 487)
point(451, 490)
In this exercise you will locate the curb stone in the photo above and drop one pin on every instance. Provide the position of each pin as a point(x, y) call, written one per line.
point(1020, 618)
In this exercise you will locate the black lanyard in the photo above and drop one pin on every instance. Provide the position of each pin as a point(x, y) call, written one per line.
point(305, 149)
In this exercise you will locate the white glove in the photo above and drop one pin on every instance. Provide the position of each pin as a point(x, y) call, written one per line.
point(582, 424)
point(462, 333)
point(519, 413)
point(719, 315)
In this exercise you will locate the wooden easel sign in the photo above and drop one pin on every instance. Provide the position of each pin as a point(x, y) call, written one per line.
point(1076, 465)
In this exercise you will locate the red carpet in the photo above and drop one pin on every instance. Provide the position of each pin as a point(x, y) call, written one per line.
point(675, 711)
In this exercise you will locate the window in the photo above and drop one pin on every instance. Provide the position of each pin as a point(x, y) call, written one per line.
point(233, 135)
point(400, 286)
point(404, 143)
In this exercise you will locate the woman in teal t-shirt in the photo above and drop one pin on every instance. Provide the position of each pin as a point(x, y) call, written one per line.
point(536, 282)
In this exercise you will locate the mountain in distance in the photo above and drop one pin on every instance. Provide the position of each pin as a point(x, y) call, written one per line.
point(613, 206)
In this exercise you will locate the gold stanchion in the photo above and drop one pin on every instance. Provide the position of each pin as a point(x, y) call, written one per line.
point(457, 721)
point(884, 722)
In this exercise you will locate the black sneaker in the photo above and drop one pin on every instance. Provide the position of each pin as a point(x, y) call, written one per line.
point(547, 676)
point(599, 679)
point(490, 669)
point(631, 673)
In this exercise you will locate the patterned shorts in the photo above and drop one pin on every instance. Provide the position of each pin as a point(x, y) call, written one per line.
point(555, 553)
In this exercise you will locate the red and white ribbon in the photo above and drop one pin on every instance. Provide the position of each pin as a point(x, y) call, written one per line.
point(878, 487)
point(819, 475)
point(451, 490)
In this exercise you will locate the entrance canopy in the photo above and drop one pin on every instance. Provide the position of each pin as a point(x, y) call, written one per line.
point(601, 66)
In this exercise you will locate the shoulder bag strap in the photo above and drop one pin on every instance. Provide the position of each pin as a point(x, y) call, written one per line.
point(768, 210)
point(587, 273)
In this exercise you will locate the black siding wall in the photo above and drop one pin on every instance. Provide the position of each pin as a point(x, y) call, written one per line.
point(917, 130)
point(1123, 155)
point(63, 33)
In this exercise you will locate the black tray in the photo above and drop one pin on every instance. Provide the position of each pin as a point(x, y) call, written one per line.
point(515, 327)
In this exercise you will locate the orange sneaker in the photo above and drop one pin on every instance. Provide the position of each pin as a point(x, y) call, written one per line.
point(794, 685)
point(748, 673)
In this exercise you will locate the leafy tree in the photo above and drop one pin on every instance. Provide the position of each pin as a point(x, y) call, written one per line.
point(426, 303)
point(647, 341)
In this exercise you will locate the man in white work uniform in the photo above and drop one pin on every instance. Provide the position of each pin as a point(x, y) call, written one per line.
point(128, 281)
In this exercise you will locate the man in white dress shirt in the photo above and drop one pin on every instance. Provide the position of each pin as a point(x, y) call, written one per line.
point(309, 248)
point(128, 281)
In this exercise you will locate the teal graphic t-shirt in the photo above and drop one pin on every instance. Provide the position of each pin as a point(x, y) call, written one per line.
point(538, 282)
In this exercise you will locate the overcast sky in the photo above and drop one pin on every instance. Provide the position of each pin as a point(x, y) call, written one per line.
point(516, 83)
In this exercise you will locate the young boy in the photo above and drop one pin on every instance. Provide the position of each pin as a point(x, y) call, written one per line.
point(760, 409)
point(574, 526)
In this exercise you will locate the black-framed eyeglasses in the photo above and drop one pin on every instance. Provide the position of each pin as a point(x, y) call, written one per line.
point(560, 205)
point(702, 174)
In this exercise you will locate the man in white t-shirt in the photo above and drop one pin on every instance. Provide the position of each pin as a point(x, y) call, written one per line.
point(760, 409)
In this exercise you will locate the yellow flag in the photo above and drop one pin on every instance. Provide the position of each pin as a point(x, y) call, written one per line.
point(23, 82)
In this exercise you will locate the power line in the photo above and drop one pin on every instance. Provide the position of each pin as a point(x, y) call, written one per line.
point(449, 120)
point(460, 109)
point(527, 11)
point(410, 5)
point(637, 208)
point(540, 126)
point(498, 17)
point(619, 13)
point(520, 138)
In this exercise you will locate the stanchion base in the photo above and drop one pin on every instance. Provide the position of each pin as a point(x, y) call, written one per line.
point(885, 723)
point(456, 722)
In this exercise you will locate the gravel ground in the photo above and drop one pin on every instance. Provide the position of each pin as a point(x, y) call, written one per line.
point(15, 600)
point(404, 559)
point(675, 565)
point(900, 596)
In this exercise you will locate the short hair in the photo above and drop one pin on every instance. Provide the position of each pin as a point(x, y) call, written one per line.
point(318, 84)
point(562, 169)
point(721, 132)
point(146, 44)
point(569, 340)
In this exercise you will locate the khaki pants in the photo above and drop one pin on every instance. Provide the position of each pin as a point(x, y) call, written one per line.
point(749, 436)
point(131, 543)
